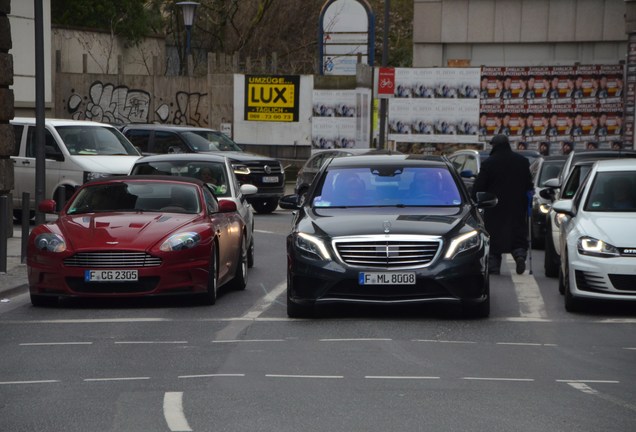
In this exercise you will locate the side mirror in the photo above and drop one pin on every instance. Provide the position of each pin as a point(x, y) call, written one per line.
point(547, 193)
point(289, 202)
point(486, 199)
point(226, 206)
point(248, 189)
point(564, 207)
point(47, 206)
point(552, 183)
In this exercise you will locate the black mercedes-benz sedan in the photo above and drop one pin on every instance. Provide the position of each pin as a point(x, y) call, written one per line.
point(388, 229)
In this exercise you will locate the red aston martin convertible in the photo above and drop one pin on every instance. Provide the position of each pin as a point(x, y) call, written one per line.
point(137, 236)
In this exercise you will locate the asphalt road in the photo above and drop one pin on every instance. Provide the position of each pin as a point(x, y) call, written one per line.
point(242, 365)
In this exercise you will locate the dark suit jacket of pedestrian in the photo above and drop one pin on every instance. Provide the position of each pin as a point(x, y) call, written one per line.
point(507, 175)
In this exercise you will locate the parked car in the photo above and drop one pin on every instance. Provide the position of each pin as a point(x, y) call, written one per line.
point(388, 229)
point(542, 169)
point(223, 182)
point(598, 240)
point(266, 173)
point(75, 152)
point(136, 236)
point(554, 189)
point(468, 162)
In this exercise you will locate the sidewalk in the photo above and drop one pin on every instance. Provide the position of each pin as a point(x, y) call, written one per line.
point(15, 279)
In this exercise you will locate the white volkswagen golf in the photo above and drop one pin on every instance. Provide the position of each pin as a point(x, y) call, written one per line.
point(598, 238)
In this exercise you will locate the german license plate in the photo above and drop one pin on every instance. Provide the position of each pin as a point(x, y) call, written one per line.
point(110, 275)
point(386, 278)
point(272, 179)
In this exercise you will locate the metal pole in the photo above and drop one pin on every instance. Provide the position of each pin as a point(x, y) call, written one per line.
point(385, 59)
point(4, 211)
point(40, 173)
point(26, 198)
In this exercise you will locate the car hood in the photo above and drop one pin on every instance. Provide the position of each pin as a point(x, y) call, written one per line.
point(614, 228)
point(370, 221)
point(244, 156)
point(121, 230)
point(107, 164)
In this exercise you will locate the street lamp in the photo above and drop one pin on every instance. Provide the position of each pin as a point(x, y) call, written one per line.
point(187, 10)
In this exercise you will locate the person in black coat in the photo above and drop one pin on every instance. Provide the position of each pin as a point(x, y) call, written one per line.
point(507, 175)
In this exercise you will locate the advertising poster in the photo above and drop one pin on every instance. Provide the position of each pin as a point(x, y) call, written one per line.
point(272, 98)
point(435, 105)
point(582, 105)
point(340, 119)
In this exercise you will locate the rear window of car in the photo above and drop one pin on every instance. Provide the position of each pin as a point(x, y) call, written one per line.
point(387, 187)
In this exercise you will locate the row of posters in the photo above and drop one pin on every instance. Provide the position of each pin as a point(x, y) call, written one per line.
point(341, 119)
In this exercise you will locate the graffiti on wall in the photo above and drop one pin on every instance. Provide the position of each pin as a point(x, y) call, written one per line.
point(108, 103)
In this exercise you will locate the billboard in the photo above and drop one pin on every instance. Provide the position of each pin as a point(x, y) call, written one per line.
point(271, 98)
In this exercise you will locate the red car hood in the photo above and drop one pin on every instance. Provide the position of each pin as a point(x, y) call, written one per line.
point(138, 231)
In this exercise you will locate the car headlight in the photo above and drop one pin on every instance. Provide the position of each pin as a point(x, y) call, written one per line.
point(181, 241)
point(241, 169)
point(50, 242)
point(463, 243)
point(312, 246)
point(544, 208)
point(594, 247)
point(88, 175)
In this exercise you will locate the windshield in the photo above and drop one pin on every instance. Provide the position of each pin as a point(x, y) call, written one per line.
point(612, 192)
point(95, 140)
point(392, 186)
point(135, 197)
point(212, 173)
point(209, 140)
point(550, 170)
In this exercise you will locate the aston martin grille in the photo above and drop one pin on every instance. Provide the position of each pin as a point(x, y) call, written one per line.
point(388, 251)
point(115, 259)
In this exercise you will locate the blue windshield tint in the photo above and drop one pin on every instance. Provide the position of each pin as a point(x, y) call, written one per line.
point(399, 186)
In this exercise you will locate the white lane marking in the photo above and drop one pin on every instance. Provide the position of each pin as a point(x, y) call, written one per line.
point(391, 377)
point(531, 302)
point(498, 379)
point(116, 379)
point(54, 343)
point(443, 341)
point(356, 340)
point(148, 342)
point(588, 381)
point(630, 348)
point(526, 344)
point(29, 382)
point(173, 412)
point(247, 340)
point(267, 232)
point(211, 376)
point(582, 387)
point(306, 376)
point(266, 302)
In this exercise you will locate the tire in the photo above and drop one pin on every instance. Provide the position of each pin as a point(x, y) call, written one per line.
point(239, 281)
point(17, 215)
point(561, 282)
point(295, 310)
point(265, 206)
point(550, 258)
point(209, 298)
point(250, 253)
point(572, 304)
point(43, 301)
point(478, 310)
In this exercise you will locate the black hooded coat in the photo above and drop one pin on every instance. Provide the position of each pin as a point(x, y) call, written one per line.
point(507, 175)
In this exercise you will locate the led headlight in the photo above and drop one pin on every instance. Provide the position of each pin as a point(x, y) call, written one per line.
point(241, 169)
point(463, 243)
point(594, 247)
point(312, 246)
point(50, 242)
point(544, 208)
point(181, 241)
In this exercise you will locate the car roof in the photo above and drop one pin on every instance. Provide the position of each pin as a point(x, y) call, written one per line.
point(60, 122)
point(597, 154)
point(616, 165)
point(387, 160)
point(158, 178)
point(168, 127)
point(195, 157)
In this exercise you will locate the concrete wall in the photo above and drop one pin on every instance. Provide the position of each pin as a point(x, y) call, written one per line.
point(518, 32)
point(6, 102)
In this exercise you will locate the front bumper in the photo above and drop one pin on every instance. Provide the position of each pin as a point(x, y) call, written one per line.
point(463, 279)
point(603, 278)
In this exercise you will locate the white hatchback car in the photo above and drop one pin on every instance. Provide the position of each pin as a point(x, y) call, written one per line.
point(598, 239)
